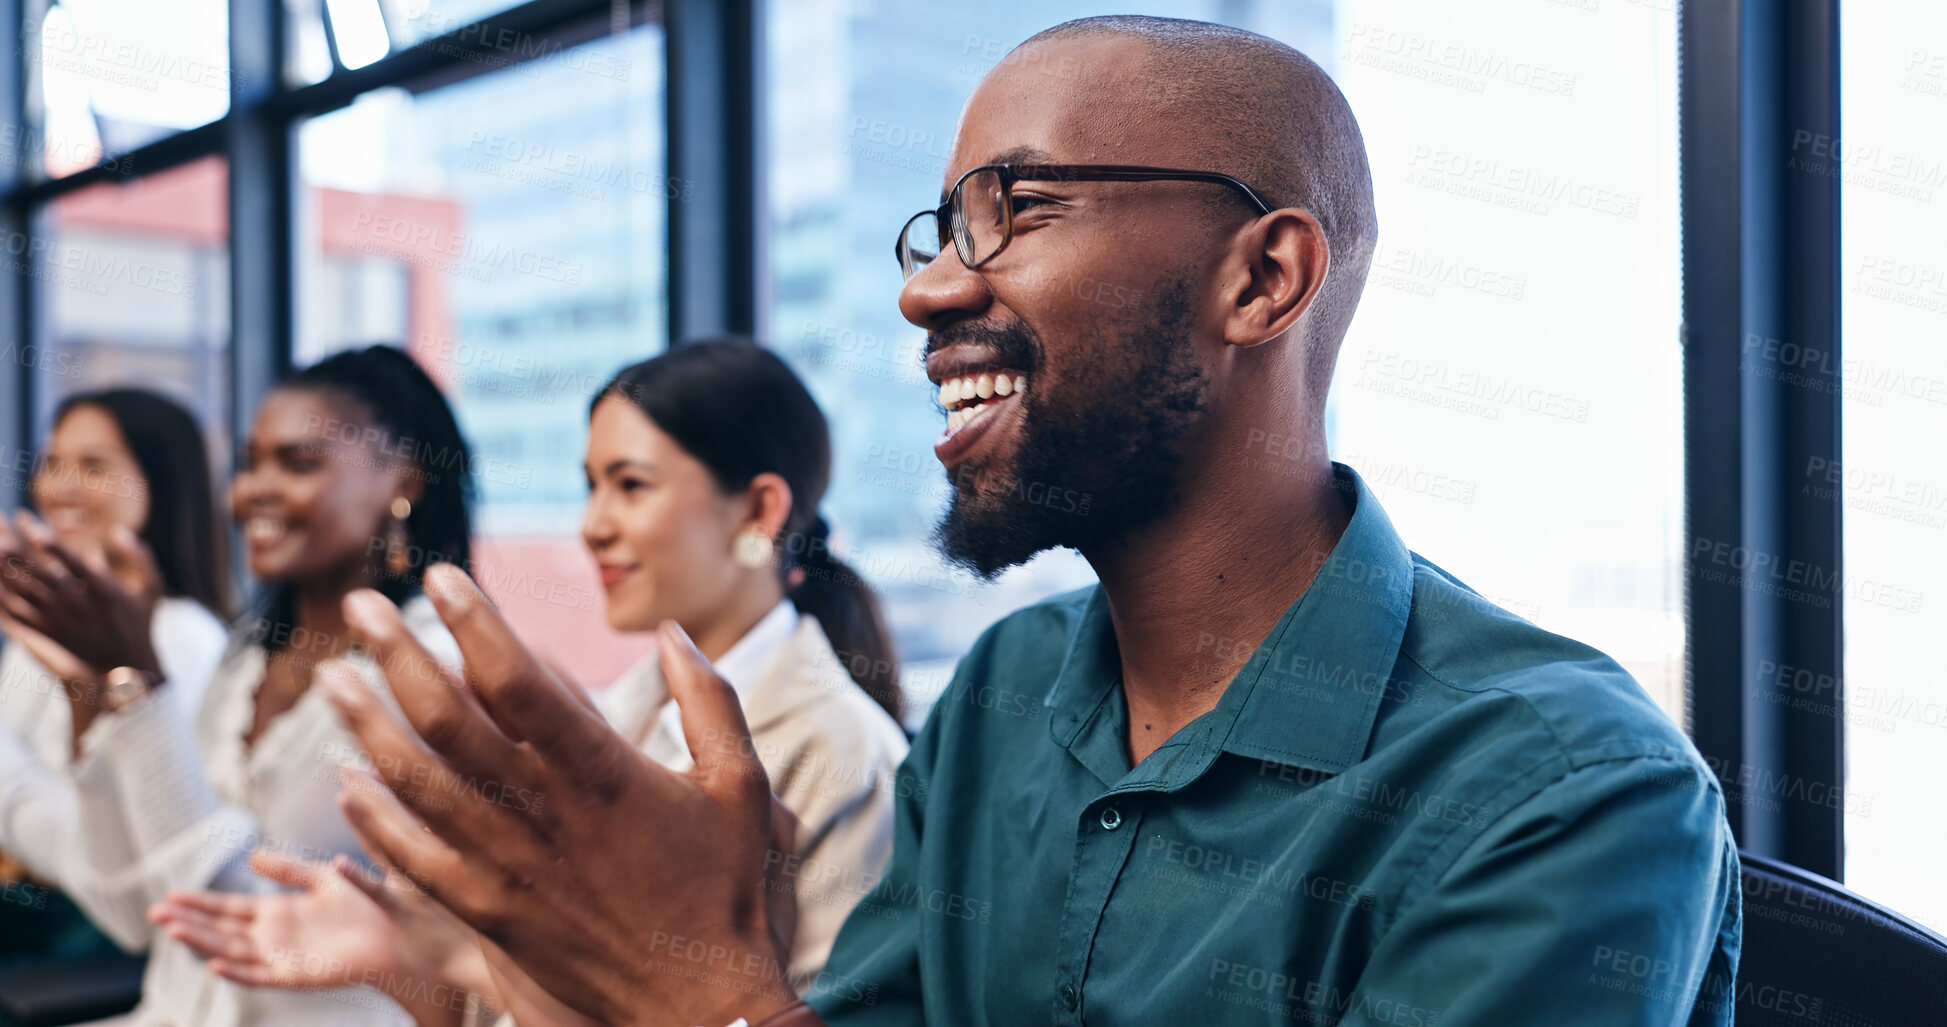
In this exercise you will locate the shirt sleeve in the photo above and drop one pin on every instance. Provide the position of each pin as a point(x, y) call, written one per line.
point(872, 976)
point(189, 642)
point(1607, 898)
point(37, 810)
point(149, 819)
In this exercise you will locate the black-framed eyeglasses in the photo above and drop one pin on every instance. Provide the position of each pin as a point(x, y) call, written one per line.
point(978, 215)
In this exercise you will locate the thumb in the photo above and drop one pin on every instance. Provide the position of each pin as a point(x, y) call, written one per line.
point(713, 720)
point(131, 562)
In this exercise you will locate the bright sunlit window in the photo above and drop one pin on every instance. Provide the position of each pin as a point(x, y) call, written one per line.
point(119, 74)
point(1893, 368)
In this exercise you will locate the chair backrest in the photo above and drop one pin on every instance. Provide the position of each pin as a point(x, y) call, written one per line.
point(1815, 953)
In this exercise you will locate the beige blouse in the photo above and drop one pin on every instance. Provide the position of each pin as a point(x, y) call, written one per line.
point(832, 754)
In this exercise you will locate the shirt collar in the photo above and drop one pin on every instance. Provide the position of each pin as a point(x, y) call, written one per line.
point(640, 694)
point(1309, 694)
point(746, 661)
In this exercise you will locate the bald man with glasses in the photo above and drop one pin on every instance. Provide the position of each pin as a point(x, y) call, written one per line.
point(1275, 767)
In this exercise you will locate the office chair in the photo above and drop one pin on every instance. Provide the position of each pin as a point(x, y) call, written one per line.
point(1815, 953)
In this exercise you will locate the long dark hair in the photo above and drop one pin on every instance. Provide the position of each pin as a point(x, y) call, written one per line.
point(182, 531)
point(381, 387)
point(740, 411)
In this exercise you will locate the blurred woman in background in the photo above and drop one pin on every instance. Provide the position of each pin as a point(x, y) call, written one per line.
point(355, 476)
point(705, 468)
point(120, 464)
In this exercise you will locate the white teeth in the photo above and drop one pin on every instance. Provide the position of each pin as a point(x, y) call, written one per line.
point(977, 413)
point(962, 393)
point(263, 528)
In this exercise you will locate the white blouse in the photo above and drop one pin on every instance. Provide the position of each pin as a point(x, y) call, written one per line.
point(831, 752)
point(37, 806)
point(156, 813)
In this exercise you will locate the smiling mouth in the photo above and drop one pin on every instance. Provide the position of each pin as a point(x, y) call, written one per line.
point(263, 532)
point(614, 574)
point(968, 398)
point(68, 519)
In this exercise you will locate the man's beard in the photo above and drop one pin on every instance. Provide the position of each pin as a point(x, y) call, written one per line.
point(1099, 452)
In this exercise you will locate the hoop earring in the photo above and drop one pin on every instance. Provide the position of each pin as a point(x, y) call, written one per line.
point(398, 555)
point(754, 549)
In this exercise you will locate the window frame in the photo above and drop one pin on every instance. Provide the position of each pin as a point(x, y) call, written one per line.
point(1761, 261)
point(711, 96)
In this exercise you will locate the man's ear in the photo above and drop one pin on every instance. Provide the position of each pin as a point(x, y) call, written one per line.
point(1277, 267)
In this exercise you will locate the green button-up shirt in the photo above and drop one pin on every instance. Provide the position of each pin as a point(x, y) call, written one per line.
point(1409, 808)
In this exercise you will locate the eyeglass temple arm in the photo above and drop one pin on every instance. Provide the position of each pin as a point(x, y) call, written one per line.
point(1131, 173)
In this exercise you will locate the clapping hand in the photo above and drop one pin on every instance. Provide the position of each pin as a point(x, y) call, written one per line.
point(99, 614)
point(632, 893)
point(79, 619)
point(343, 927)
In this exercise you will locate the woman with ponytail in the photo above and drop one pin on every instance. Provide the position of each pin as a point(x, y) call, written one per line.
point(705, 469)
point(355, 476)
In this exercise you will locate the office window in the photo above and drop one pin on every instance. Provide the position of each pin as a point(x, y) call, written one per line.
point(410, 21)
point(1510, 388)
point(509, 231)
point(115, 75)
point(1512, 385)
point(323, 34)
point(1892, 167)
point(134, 285)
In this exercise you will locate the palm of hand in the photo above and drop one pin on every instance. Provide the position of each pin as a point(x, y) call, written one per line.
point(330, 934)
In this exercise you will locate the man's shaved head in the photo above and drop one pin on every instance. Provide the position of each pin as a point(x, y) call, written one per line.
point(1149, 328)
point(1269, 115)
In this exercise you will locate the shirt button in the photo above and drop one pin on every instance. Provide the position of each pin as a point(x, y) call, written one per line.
point(1068, 995)
point(1111, 819)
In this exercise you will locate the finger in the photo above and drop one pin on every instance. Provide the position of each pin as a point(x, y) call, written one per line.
point(372, 883)
point(257, 975)
point(713, 722)
point(405, 765)
point(567, 679)
point(22, 574)
point(38, 537)
point(220, 905)
point(131, 561)
point(69, 561)
point(79, 580)
point(19, 609)
point(398, 840)
point(33, 533)
point(433, 700)
point(210, 941)
point(784, 827)
point(296, 873)
point(517, 690)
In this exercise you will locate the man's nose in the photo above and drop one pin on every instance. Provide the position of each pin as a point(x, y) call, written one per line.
point(944, 292)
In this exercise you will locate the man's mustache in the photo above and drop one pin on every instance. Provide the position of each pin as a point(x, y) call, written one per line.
point(1016, 347)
